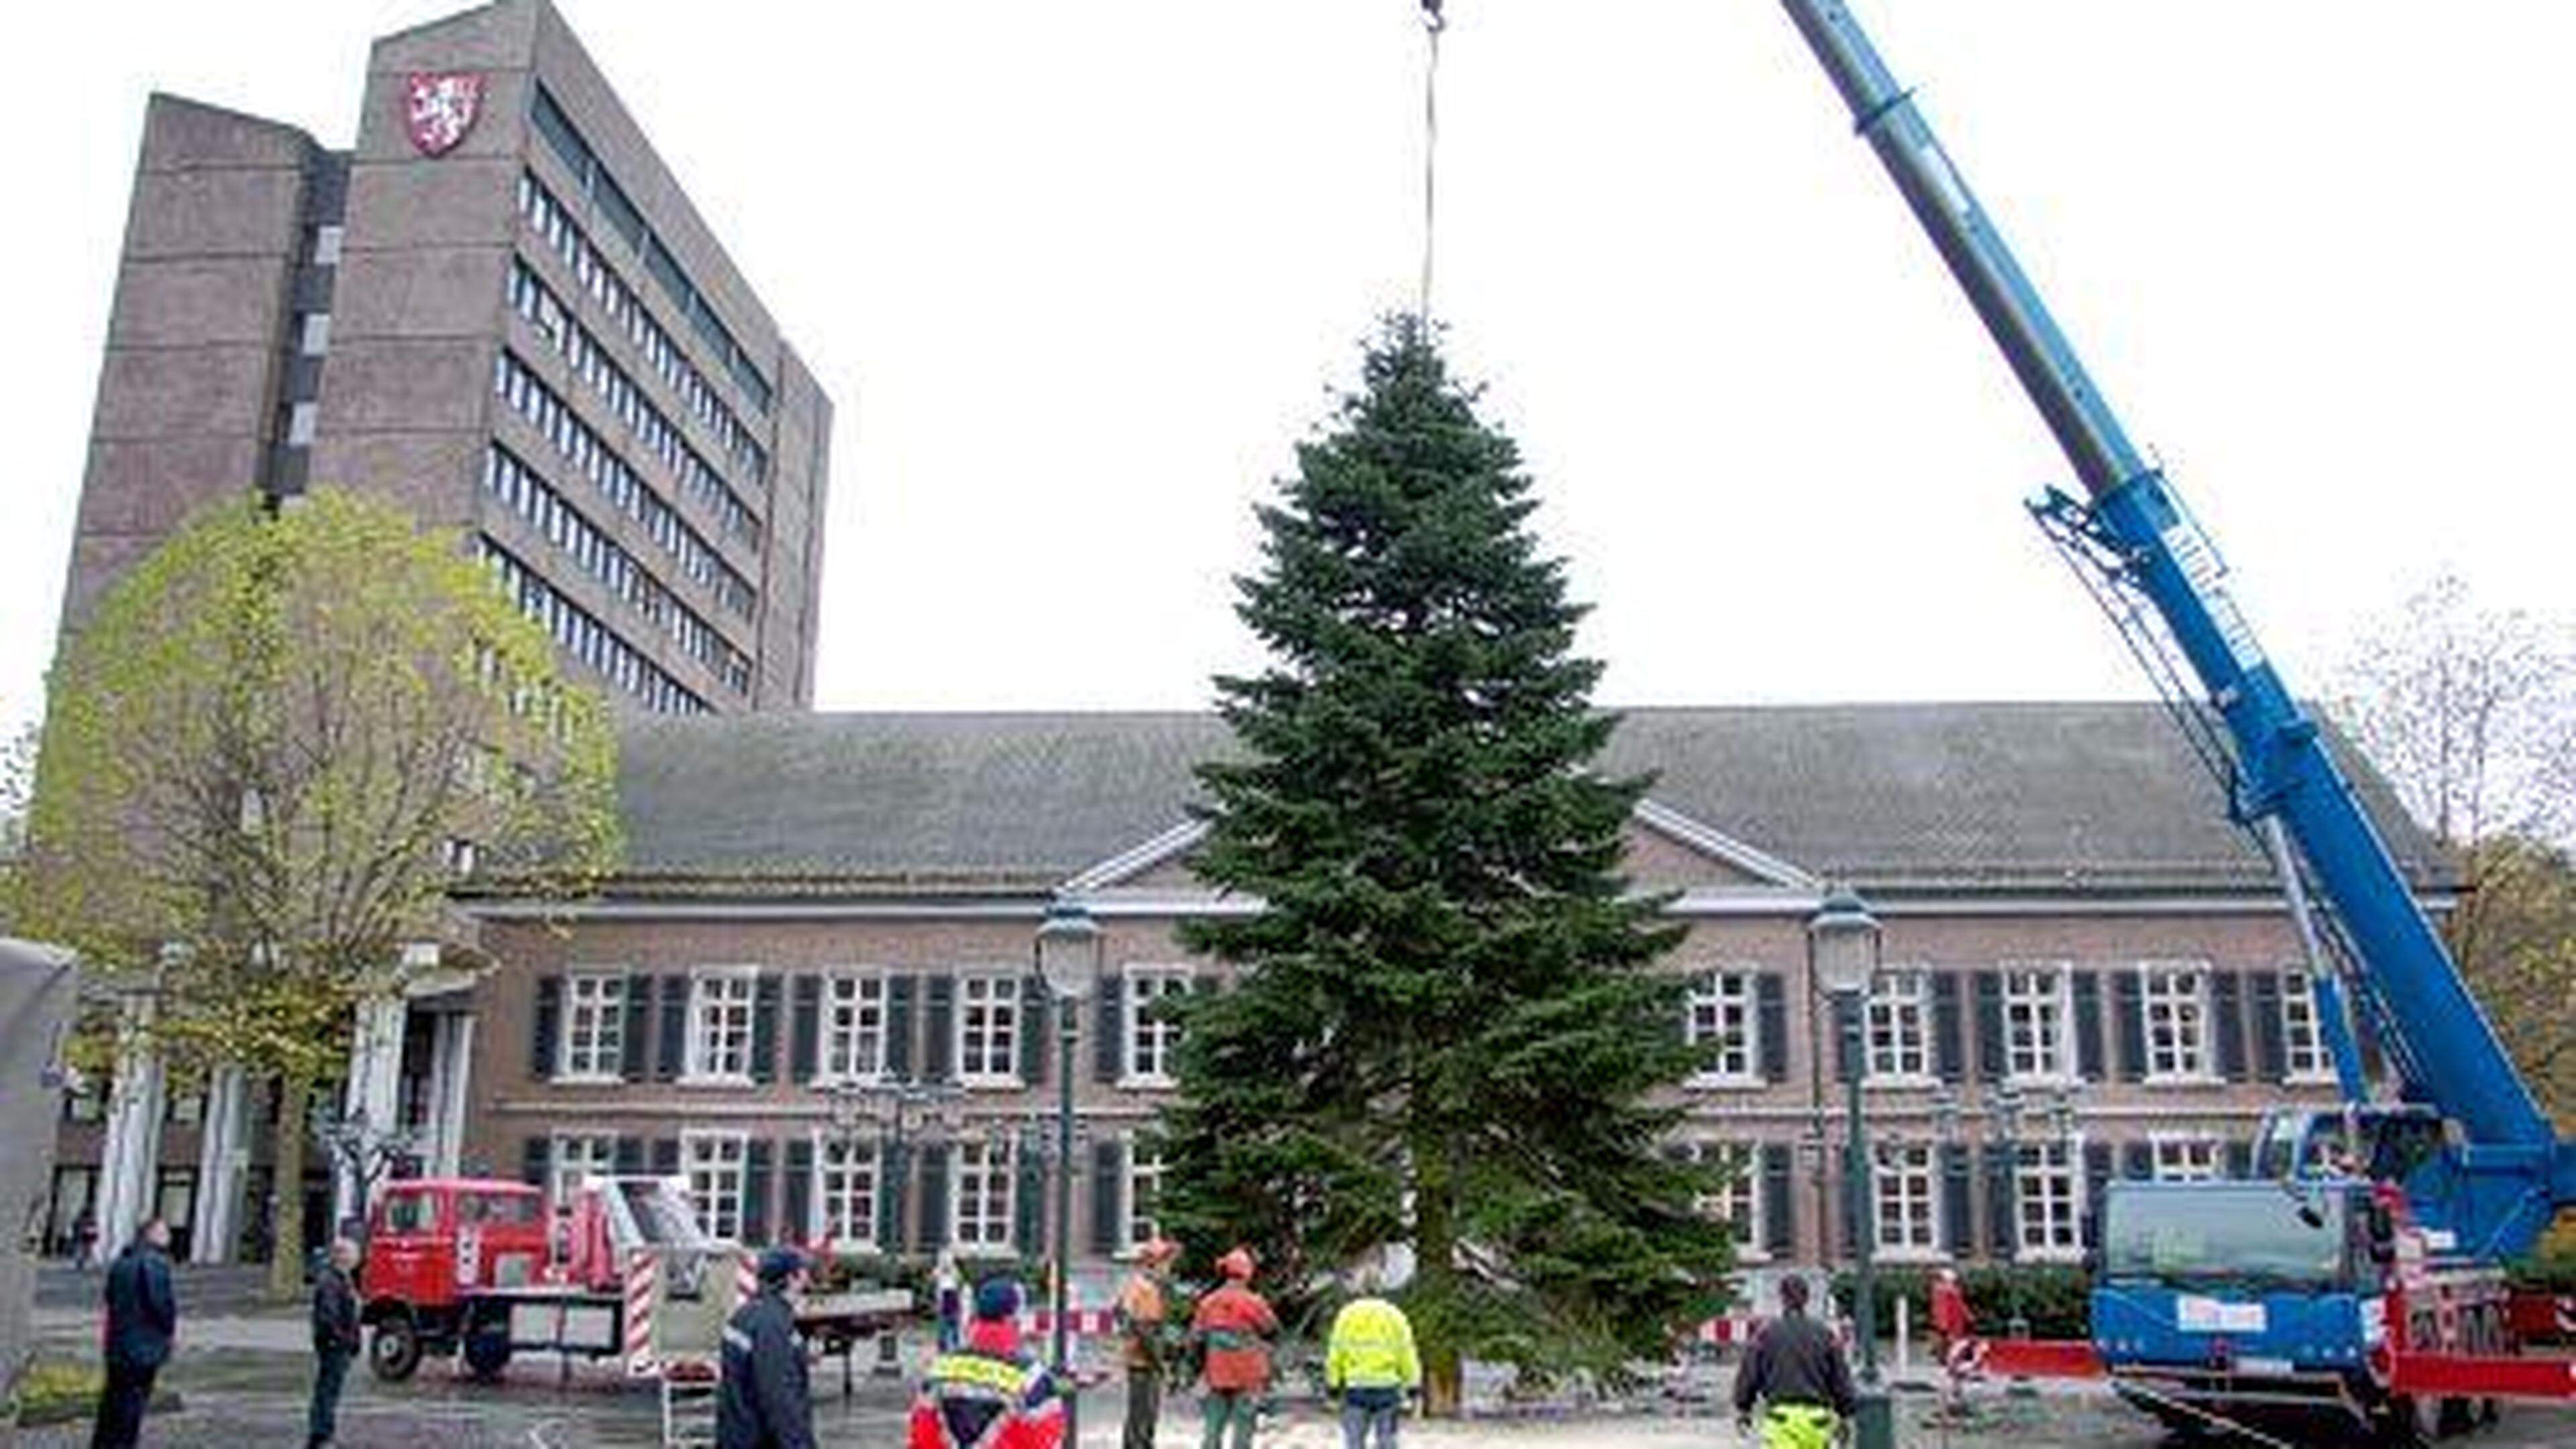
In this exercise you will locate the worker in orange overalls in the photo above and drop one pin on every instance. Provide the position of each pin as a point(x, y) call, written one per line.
point(1234, 1324)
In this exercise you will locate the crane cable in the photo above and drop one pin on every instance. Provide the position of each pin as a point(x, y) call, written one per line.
point(1432, 24)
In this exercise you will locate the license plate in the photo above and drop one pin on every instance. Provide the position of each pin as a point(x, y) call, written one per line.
point(2263, 1366)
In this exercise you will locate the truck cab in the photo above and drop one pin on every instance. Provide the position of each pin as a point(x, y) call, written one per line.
point(433, 1244)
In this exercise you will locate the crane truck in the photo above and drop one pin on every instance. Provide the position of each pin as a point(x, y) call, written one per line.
point(2359, 1273)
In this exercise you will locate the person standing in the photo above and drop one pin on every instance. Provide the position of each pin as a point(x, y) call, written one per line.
point(1952, 1329)
point(1233, 1324)
point(948, 1301)
point(1144, 1312)
point(1371, 1365)
point(142, 1315)
point(764, 1401)
point(1797, 1370)
point(990, 1392)
point(335, 1340)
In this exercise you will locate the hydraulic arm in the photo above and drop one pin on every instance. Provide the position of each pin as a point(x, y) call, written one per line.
point(2499, 1188)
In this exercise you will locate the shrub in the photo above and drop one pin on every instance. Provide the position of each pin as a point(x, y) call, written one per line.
point(2054, 1297)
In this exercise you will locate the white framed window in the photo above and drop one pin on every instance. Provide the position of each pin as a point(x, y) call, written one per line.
point(301, 420)
point(2303, 1041)
point(1144, 1189)
point(980, 1197)
point(1899, 1026)
point(720, 1002)
point(1151, 1043)
point(845, 1193)
point(576, 1156)
point(1720, 1010)
point(1738, 1199)
point(988, 1029)
point(594, 1034)
point(2048, 1200)
point(327, 239)
point(2174, 1002)
point(853, 1027)
point(714, 1163)
point(2037, 1012)
point(1906, 1182)
point(317, 334)
point(2185, 1156)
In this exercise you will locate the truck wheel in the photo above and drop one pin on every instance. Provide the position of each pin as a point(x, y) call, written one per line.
point(2407, 1422)
point(487, 1352)
point(394, 1350)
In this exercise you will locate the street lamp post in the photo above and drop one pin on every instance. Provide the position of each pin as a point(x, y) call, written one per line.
point(1842, 958)
point(1068, 959)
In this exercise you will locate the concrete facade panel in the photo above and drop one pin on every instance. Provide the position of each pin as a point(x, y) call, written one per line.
point(183, 135)
point(434, 475)
point(419, 292)
point(183, 391)
point(152, 485)
point(215, 213)
point(222, 300)
point(453, 201)
point(383, 385)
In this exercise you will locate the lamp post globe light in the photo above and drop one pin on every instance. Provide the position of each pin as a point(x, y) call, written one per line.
point(1842, 959)
point(1068, 960)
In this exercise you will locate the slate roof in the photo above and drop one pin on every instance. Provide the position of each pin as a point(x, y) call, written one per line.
point(1934, 797)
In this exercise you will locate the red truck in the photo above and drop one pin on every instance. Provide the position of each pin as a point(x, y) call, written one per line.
point(482, 1267)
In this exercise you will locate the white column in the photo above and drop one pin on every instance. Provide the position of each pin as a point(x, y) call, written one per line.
point(223, 1161)
point(127, 1176)
point(375, 1082)
point(456, 1064)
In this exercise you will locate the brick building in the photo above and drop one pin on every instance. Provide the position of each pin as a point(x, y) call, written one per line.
point(499, 309)
point(2087, 972)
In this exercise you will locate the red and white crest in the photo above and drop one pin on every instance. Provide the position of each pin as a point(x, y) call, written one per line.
point(439, 108)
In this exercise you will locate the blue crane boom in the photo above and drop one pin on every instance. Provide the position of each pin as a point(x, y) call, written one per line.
point(2497, 1186)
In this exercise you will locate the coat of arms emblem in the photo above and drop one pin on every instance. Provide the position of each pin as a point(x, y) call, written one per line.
point(439, 108)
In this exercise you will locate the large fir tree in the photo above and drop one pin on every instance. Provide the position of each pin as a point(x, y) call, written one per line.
point(1447, 1033)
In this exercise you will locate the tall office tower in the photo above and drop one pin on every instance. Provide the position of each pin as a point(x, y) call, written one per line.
point(500, 310)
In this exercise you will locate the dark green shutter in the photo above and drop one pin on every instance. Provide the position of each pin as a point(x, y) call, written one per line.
point(1779, 1228)
point(932, 1220)
point(893, 1170)
point(1034, 1023)
point(666, 1156)
point(627, 1157)
point(635, 1051)
point(804, 1035)
point(2002, 1227)
point(764, 1027)
point(2088, 1025)
point(939, 1035)
point(2097, 1178)
point(1958, 1230)
point(2271, 1051)
point(1109, 1031)
point(2129, 1005)
point(899, 993)
point(545, 1027)
point(1108, 1173)
point(755, 1192)
point(671, 1052)
point(2141, 1161)
point(1028, 1200)
point(535, 1156)
point(1772, 1016)
point(1990, 1027)
point(2240, 1158)
point(796, 1193)
point(1846, 1013)
point(1949, 1057)
point(2227, 1020)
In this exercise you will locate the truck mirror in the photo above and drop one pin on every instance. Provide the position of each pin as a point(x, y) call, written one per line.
point(2383, 1233)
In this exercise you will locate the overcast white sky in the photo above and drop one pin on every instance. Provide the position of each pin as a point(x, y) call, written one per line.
point(1078, 275)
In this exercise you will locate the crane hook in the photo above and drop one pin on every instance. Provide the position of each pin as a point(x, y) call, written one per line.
point(1431, 15)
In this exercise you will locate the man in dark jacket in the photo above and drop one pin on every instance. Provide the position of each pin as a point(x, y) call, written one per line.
point(765, 1403)
point(1798, 1371)
point(141, 1316)
point(335, 1341)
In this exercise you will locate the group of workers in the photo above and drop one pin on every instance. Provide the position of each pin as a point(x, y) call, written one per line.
point(988, 1389)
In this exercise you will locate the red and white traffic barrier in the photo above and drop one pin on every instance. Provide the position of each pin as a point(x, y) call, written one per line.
point(643, 1287)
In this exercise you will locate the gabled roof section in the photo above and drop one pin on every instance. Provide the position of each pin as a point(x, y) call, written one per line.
point(1899, 798)
point(1717, 845)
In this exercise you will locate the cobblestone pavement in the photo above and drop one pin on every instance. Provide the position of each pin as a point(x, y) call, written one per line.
point(244, 1381)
